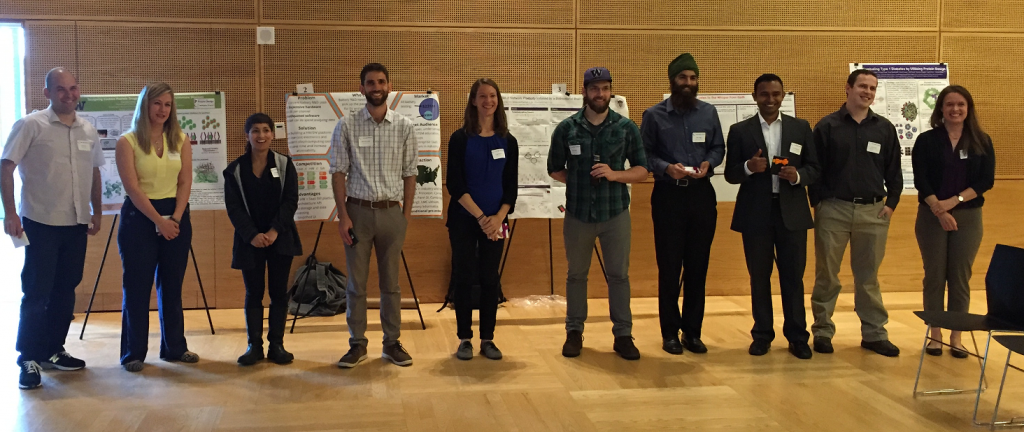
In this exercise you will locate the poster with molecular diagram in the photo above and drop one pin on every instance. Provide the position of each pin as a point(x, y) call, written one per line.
point(202, 118)
point(906, 95)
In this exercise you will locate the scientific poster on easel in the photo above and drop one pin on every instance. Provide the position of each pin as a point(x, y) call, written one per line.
point(311, 120)
point(906, 95)
point(734, 108)
point(532, 119)
point(203, 119)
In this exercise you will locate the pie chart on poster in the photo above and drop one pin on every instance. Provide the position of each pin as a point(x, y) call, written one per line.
point(429, 109)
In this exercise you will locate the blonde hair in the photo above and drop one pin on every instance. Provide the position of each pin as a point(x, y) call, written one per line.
point(140, 122)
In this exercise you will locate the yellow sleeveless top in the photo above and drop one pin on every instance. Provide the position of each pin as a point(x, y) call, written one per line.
point(158, 176)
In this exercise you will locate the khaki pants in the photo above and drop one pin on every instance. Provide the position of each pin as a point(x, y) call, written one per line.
point(948, 257)
point(382, 230)
point(837, 223)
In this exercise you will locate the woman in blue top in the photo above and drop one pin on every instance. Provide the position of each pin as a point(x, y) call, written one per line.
point(482, 170)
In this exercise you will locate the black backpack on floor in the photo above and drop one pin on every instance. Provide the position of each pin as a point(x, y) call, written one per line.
point(318, 290)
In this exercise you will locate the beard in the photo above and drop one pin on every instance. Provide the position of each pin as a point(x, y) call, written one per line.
point(684, 96)
point(377, 101)
point(597, 106)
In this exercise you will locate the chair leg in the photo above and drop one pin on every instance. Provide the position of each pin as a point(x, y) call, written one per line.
point(981, 380)
point(984, 385)
point(1013, 422)
point(947, 391)
point(920, 363)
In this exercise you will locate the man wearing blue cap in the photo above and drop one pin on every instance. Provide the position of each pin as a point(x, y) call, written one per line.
point(588, 153)
point(684, 142)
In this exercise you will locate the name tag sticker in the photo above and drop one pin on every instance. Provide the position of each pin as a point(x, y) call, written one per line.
point(498, 153)
point(574, 150)
point(795, 148)
point(174, 156)
point(874, 147)
point(274, 173)
point(963, 154)
point(84, 145)
point(365, 141)
point(699, 137)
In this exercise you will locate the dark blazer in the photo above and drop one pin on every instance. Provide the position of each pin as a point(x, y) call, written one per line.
point(754, 200)
point(287, 243)
point(928, 163)
point(455, 171)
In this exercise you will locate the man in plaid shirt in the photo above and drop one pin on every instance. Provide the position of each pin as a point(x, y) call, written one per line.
point(588, 153)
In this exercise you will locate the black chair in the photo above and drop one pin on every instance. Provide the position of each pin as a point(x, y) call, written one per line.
point(1015, 344)
point(1004, 289)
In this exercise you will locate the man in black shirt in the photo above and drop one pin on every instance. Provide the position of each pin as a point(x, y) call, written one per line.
point(859, 188)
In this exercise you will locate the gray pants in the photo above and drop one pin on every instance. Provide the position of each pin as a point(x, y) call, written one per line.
point(383, 230)
point(837, 223)
point(579, 246)
point(948, 256)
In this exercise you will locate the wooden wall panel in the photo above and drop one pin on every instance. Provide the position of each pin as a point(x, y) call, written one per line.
point(127, 10)
point(486, 13)
point(48, 44)
point(990, 15)
point(989, 67)
point(733, 14)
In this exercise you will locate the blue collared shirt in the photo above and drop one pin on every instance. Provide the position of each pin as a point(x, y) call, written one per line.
point(689, 138)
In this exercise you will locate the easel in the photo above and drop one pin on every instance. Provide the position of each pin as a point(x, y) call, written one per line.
point(551, 258)
point(405, 263)
point(88, 311)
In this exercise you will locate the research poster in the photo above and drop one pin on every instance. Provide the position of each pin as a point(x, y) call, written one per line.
point(906, 95)
point(311, 118)
point(202, 118)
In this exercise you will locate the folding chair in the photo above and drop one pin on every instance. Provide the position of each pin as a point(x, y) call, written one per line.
point(1015, 344)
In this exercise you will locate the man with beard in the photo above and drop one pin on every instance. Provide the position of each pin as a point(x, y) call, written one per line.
point(588, 153)
point(860, 185)
point(373, 167)
point(58, 156)
point(772, 212)
point(683, 140)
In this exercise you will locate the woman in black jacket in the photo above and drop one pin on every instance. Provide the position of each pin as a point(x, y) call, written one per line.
point(954, 164)
point(482, 170)
point(261, 194)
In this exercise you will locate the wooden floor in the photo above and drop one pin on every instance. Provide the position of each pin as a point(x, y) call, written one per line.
point(533, 389)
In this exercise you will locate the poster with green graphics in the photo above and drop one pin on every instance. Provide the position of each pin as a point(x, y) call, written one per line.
point(203, 120)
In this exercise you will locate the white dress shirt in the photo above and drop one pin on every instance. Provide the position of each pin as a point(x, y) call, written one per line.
point(375, 156)
point(773, 139)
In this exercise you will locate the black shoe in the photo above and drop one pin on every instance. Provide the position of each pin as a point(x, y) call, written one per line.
point(62, 361)
point(694, 345)
point(800, 350)
point(573, 343)
point(490, 350)
point(625, 348)
point(823, 345)
point(759, 347)
point(31, 375)
point(354, 356)
point(395, 353)
point(933, 351)
point(279, 355)
point(883, 347)
point(252, 356)
point(959, 353)
point(672, 346)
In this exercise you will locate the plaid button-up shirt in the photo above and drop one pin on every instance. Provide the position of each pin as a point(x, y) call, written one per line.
point(374, 156)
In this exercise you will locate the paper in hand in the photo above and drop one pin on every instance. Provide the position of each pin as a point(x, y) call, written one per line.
point(21, 240)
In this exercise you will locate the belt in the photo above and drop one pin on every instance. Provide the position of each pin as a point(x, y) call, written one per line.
point(859, 200)
point(372, 204)
point(775, 196)
point(683, 182)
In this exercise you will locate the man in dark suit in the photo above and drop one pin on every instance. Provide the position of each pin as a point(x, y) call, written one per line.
point(771, 156)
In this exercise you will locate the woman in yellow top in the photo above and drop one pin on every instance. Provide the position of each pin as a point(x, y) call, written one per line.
point(154, 160)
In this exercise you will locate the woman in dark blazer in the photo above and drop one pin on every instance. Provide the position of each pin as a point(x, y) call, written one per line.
point(483, 171)
point(261, 194)
point(954, 164)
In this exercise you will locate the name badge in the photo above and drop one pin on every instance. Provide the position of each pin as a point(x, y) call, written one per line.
point(574, 150)
point(699, 137)
point(174, 156)
point(84, 145)
point(365, 141)
point(963, 154)
point(156, 228)
point(795, 148)
point(274, 173)
point(874, 147)
point(498, 153)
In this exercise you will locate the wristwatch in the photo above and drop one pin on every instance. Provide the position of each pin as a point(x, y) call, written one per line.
point(959, 198)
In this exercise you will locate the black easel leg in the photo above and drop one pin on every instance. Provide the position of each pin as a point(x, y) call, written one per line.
point(601, 262)
point(508, 246)
point(201, 290)
point(413, 289)
point(551, 260)
point(295, 317)
point(99, 272)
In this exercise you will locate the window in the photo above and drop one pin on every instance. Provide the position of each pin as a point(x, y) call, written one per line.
point(12, 82)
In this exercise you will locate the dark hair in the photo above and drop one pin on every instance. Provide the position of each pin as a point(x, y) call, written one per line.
point(471, 124)
point(973, 138)
point(373, 67)
point(852, 79)
point(768, 77)
point(255, 119)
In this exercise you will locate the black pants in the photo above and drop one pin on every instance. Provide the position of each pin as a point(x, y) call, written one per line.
point(144, 253)
point(473, 254)
point(269, 273)
point(684, 227)
point(54, 261)
point(788, 250)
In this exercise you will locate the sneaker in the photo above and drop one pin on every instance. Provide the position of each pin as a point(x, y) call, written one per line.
point(63, 361)
point(252, 356)
point(189, 357)
point(31, 375)
point(279, 355)
point(490, 350)
point(354, 356)
point(573, 343)
point(133, 366)
point(883, 347)
point(465, 351)
point(823, 345)
point(624, 347)
point(395, 353)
